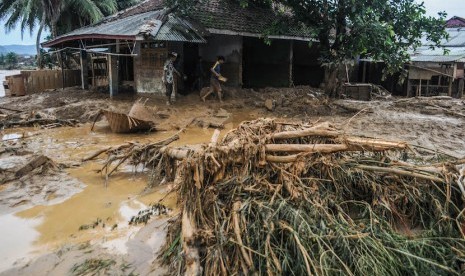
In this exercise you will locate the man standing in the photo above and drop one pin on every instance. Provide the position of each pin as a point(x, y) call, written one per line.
point(168, 77)
point(215, 85)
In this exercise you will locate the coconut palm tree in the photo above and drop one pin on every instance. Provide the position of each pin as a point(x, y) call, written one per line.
point(49, 13)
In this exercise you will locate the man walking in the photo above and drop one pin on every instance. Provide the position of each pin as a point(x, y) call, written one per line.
point(168, 77)
point(215, 85)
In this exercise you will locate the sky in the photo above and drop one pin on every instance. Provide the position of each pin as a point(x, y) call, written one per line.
point(452, 7)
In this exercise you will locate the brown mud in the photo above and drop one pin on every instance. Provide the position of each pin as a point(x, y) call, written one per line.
point(45, 209)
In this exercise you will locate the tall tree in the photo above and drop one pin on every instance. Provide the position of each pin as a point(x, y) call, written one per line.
point(11, 60)
point(79, 13)
point(47, 13)
point(2, 59)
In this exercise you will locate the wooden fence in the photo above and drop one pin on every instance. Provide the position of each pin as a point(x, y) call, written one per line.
point(36, 81)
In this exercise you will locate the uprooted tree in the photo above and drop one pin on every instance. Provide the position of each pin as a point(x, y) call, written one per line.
point(282, 198)
point(385, 30)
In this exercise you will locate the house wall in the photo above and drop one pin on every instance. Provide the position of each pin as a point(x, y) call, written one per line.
point(148, 65)
point(266, 65)
point(231, 48)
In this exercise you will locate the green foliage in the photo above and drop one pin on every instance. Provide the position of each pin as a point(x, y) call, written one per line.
point(2, 59)
point(92, 267)
point(11, 58)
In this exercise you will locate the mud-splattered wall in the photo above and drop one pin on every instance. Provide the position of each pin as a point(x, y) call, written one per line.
point(231, 48)
point(148, 69)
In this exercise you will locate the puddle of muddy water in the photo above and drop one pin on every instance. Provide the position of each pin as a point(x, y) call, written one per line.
point(112, 204)
point(16, 238)
point(44, 228)
point(12, 136)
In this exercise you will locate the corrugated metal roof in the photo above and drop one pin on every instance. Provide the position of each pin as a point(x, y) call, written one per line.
point(456, 38)
point(455, 46)
point(178, 29)
point(148, 24)
point(426, 54)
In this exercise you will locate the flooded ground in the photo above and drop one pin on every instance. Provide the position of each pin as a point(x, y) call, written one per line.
point(47, 227)
point(68, 213)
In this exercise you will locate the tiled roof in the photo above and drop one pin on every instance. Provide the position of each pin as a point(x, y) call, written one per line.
point(217, 16)
point(455, 22)
point(228, 15)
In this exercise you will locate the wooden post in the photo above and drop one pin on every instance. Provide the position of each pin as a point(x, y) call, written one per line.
point(241, 61)
point(84, 71)
point(63, 80)
point(136, 61)
point(460, 89)
point(427, 88)
point(364, 75)
point(409, 87)
point(450, 86)
point(291, 63)
point(113, 75)
point(419, 90)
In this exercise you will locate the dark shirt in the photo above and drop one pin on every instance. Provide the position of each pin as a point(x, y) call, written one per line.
point(217, 69)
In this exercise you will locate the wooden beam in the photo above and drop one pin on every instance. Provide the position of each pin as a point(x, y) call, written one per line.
point(291, 63)
point(84, 71)
point(364, 75)
point(451, 80)
point(113, 75)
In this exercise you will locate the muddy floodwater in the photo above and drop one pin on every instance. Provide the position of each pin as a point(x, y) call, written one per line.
point(29, 231)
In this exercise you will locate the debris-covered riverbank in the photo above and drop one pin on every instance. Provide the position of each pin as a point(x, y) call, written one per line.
point(66, 192)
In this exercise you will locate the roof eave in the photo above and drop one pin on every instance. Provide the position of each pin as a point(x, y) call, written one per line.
point(247, 34)
point(59, 40)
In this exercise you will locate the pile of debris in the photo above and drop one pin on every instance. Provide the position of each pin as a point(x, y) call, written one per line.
point(17, 118)
point(280, 198)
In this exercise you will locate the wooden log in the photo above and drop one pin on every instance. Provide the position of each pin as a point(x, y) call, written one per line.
point(191, 253)
point(178, 154)
point(375, 144)
point(322, 129)
point(33, 164)
point(354, 144)
point(321, 148)
point(215, 137)
point(282, 159)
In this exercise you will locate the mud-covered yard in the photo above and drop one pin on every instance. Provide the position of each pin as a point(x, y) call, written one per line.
point(60, 215)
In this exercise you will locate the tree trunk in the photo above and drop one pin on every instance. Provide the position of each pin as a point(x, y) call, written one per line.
point(331, 80)
point(39, 34)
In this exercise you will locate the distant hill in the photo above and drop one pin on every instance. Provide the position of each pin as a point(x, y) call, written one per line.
point(19, 49)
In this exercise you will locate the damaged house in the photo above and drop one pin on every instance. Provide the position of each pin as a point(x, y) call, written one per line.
point(432, 73)
point(136, 43)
